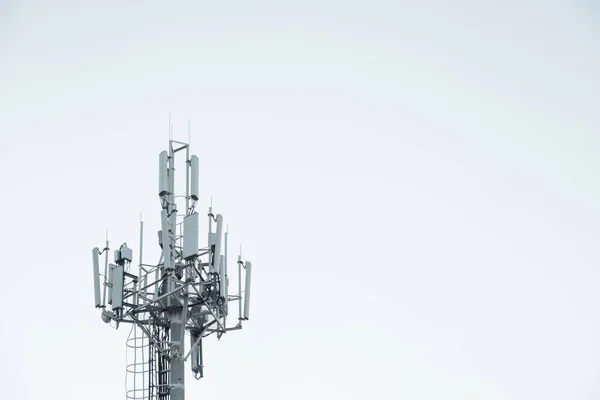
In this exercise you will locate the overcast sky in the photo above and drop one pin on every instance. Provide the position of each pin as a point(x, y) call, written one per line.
point(416, 185)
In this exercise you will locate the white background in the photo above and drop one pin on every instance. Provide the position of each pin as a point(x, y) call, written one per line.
point(415, 183)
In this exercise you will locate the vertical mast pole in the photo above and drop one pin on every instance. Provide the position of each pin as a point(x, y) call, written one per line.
point(175, 316)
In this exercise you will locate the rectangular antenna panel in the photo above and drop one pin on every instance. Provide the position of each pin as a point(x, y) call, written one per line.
point(126, 254)
point(247, 291)
point(196, 354)
point(219, 234)
point(165, 238)
point(224, 291)
point(223, 276)
point(194, 166)
point(190, 235)
point(110, 282)
point(95, 255)
point(117, 290)
point(163, 177)
point(195, 363)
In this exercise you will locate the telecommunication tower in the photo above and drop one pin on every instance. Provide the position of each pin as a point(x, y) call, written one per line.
point(187, 291)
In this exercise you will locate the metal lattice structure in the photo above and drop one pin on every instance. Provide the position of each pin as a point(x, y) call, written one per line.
point(184, 294)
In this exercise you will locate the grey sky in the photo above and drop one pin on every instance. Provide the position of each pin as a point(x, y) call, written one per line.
point(415, 183)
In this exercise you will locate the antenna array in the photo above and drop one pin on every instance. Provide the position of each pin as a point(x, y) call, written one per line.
point(187, 291)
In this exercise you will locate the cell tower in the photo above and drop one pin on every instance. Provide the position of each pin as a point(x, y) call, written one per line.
point(186, 291)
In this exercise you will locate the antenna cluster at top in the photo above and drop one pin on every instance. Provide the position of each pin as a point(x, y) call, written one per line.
point(187, 291)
